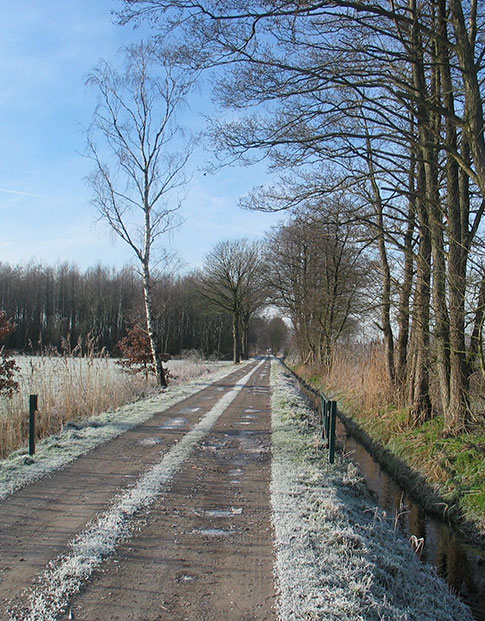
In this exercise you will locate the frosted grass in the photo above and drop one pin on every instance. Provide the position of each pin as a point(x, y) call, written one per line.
point(65, 575)
point(51, 376)
point(337, 557)
point(60, 449)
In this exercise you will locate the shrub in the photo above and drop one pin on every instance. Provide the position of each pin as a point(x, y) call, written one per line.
point(136, 352)
point(8, 366)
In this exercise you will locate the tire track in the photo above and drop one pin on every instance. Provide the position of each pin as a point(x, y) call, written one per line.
point(37, 522)
point(66, 574)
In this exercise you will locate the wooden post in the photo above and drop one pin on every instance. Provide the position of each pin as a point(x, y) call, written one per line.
point(32, 410)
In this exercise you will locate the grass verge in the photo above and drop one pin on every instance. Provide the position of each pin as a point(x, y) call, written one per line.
point(337, 557)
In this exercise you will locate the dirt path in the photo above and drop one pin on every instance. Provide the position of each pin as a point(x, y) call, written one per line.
point(203, 550)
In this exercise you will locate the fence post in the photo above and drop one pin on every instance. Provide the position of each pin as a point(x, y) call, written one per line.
point(32, 410)
point(331, 436)
point(324, 416)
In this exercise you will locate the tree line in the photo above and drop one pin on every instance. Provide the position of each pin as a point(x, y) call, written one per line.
point(65, 309)
point(380, 103)
point(57, 307)
point(61, 307)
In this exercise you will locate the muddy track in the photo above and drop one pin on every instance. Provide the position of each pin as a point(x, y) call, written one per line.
point(203, 550)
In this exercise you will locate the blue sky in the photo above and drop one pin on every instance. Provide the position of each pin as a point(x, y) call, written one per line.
point(46, 50)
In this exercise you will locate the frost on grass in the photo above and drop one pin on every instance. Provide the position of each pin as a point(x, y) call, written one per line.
point(337, 557)
point(78, 438)
point(65, 575)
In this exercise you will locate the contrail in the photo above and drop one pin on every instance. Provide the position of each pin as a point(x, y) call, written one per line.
point(22, 193)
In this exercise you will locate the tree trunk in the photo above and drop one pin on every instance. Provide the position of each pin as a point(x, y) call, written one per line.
point(151, 328)
point(407, 282)
point(421, 409)
point(430, 129)
point(477, 323)
point(236, 337)
point(384, 267)
point(456, 414)
point(244, 334)
point(419, 385)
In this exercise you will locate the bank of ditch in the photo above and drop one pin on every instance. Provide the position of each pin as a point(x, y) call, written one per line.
point(337, 555)
point(445, 475)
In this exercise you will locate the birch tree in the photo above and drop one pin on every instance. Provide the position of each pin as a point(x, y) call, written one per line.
point(140, 155)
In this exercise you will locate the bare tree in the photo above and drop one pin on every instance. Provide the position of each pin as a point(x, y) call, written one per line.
point(137, 175)
point(317, 272)
point(232, 280)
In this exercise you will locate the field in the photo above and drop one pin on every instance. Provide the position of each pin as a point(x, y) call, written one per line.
point(71, 388)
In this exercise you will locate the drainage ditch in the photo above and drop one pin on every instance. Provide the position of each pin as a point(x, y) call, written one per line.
point(459, 562)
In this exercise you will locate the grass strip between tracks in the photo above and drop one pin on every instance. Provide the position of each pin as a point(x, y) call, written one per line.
point(337, 555)
point(65, 575)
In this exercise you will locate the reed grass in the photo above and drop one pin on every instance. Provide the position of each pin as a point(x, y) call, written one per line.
point(68, 388)
point(71, 387)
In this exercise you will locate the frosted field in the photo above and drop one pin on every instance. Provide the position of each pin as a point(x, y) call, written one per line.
point(39, 373)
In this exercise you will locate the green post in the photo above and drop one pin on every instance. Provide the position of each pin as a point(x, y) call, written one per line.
point(32, 410)
point(331, 436)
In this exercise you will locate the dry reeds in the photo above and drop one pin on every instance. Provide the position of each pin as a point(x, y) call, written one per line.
point(69, 387)
point(359, 372)
point(75, 385)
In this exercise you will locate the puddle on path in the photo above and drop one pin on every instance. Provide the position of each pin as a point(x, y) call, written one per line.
point(173, 423)
point(223, 513)
point(213, 532)
point(189, 410)
point(150, 441)
point(213, 446)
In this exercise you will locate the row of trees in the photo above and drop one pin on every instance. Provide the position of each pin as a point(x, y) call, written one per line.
point(66, 309)
point(318, 274)
point(55, 305)
point(381, 102)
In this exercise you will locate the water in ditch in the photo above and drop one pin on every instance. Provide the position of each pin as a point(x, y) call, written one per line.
point(462, 564)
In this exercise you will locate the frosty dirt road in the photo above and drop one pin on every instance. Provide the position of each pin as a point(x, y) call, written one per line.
point(171, 520)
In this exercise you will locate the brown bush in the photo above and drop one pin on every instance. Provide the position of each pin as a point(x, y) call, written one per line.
point(8, 366)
